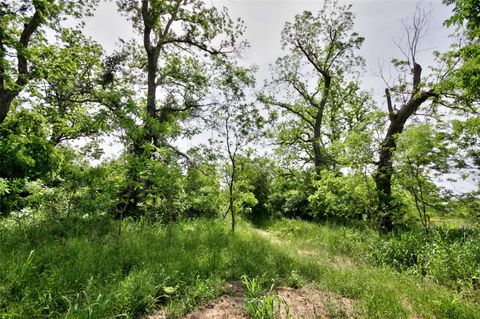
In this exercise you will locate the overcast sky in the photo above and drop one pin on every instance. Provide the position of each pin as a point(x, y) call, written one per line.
point(377, 21)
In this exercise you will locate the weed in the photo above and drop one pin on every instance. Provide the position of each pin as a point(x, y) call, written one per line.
point(262, 305)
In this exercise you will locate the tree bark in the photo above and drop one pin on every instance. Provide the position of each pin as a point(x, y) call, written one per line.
point(319, 161)
point(317, 129)
point(383, 176)
point(135, 194)
point(7, 95)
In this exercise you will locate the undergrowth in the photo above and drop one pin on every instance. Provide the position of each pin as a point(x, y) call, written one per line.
point(85, 268)
point(100, 268)
point(448, 256)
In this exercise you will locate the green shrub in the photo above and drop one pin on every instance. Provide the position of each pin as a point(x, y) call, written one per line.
point(340, 197)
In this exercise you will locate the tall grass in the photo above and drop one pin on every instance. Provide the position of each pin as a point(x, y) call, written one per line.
point(448, 256)
point(380, 270)
point(87, 268)
point(83, 268)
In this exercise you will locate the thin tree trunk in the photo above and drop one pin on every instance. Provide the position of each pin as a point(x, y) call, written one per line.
point(232, 203)
point(230, 187)
point(170, 231)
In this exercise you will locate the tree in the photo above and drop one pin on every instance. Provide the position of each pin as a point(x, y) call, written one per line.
point(236, 122)
point(71, 94)
point(238, 132)
point(21, 40)
point(420, 153)
point(410, 95)
point(314, 75)
point(183, 43)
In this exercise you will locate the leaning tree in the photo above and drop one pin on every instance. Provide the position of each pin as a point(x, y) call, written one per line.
point(403, 100)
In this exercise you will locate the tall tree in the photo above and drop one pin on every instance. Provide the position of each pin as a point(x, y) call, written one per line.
point(183, 43)
point(321, 55)
point(410, 95)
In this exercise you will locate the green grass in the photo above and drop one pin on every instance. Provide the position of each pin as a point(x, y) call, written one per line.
point(261, 304)
point(357, 263)
point(85, 268)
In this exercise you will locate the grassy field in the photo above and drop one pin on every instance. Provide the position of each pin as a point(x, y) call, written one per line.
point(99, 268)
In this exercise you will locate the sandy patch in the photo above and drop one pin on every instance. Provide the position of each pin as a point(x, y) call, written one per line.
point(302, 303)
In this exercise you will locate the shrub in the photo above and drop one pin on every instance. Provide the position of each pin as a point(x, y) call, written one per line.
point(339, 196)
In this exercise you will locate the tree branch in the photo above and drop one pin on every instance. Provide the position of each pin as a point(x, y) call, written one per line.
point(286, 106)
point(311, 60)
point(391, 112)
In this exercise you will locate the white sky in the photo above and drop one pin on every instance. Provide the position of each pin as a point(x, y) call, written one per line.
point(377, 21)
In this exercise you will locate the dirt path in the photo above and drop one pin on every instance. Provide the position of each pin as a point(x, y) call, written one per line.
point(306, 302)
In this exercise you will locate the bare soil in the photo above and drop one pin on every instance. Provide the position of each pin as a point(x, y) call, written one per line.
point(302, 303)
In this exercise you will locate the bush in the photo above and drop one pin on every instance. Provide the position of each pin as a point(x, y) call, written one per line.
point(203, 196)
point(290, 192)
point(340, 197)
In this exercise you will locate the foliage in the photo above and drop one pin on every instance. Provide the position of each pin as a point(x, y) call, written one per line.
point(290, 192)
point(70, 93)
point(187, 49)
point(342, 197)
point(465, 12)
point(25, 155)
point(313, 86)
point(254, 187)
point(415, 163)
point(86, 237)
point(84, 268)
point(23, 38)
point(202, 192)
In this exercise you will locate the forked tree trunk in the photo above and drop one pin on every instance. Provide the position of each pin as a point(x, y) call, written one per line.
point(383, 176)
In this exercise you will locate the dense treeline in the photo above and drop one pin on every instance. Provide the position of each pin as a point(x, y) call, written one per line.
point(336, 154)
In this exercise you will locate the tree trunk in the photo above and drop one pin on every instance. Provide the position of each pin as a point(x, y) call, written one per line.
point(135, 195)
point(7, 95)
point(383, 176)
point(230, 190)
point(5, 101)
point(233, 215)
point(319, 161)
